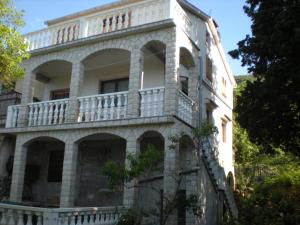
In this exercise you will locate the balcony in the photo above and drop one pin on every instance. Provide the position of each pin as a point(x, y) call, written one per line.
point(24, 215)
point(101, 20)
point(101, 107)
point(7, 99)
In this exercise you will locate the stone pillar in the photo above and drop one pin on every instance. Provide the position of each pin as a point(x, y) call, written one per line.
point(67, 195)
point(27, 97)
point(136, 70)
point(171, 70)
point(76, 84)
point(171, 177)
point(130, 196)
point(20, 156)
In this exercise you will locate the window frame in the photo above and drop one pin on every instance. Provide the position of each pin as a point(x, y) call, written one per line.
point(103, 82)
point(59, 91)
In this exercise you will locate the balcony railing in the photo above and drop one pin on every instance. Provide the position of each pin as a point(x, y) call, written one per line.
point(23, 215)
point(185, 108)
point(103, 22)
point(102, 107)
point(152, 102)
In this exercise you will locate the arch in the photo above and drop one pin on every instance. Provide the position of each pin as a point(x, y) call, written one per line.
point(50, 138)
point(99, 135)
point(186, 58)
point(47, 61)
point(105, 46)
point(150, 133)
point(103, 49)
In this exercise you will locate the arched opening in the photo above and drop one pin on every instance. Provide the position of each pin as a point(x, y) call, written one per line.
point(185, 69)
point(91, 184)
point(154, 55)
point(52, 81)
point(106, 71)
point(43, 172)
point(151, 183)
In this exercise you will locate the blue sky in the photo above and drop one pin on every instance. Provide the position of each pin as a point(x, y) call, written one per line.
point(233, 23)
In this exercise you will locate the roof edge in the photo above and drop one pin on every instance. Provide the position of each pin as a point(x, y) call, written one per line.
point(193, 9)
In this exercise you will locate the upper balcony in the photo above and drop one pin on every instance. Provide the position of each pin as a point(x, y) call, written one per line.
point(111, 18)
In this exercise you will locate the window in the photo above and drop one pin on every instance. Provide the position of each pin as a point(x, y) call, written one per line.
point(59, 94)
point(224, 130)
point(209, 69)
point(184, 79)
point(112, 86)
point(208, 115)
point(55, 168)
point(224, 87)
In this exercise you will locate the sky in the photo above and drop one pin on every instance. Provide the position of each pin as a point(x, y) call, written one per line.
point(233, 23)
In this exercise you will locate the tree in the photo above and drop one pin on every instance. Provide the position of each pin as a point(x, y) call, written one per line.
point(143, 165)
point(12, 46)
point(269, 106)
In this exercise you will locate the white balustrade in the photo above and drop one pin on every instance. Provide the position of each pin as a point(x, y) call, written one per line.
point(107, 21)
point(25, 215)
point(103, 107)
point(152, 102)
point(12, 116)
point(47, 113)
point(185, 107)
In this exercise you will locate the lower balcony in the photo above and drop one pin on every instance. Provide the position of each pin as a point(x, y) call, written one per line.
point(24, 215)
point(101, 107)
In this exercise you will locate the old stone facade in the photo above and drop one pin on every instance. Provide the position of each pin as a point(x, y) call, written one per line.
point(103, 94)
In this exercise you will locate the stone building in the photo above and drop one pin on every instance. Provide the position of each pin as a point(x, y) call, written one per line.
point(104, 83)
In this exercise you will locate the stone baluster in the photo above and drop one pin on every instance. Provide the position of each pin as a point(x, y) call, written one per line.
point(73, 218)
point(9, 117)
point(45, 113)
point(39, 219)
point(112, 106)
point(30, 117)
point(105, 110)
point(142, 93)
point(87, 110)
point(56, 111)
point(127, 19)
point(29, 218)
point(149, 103)
point(99, 108)
point(93, 108)
point(15, 112)
point(113, 25)
point(10, 217)
point(51, 105)
point(119, 105)
point(125, 104)
point(35, 114)
point(40, 115)
point(20, 217)
point(81, 107)
point(155, 101)
point(61, 111)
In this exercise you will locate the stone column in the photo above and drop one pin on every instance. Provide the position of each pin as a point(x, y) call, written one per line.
point(171, 177)
point(67, 195)
point(130, 196)
point(75, 86)
point(171, 70)
point(20, 156)
point(136, 70)
point(27, 97)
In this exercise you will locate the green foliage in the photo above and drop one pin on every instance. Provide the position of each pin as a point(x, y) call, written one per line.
point(12, 46)
point(205, 130)
point(269, 106)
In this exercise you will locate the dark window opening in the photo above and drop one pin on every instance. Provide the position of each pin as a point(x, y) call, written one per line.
point(59, 94)
point(55, 168)
point(113, 86)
